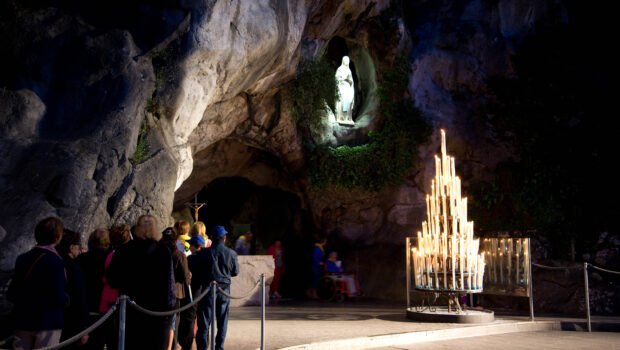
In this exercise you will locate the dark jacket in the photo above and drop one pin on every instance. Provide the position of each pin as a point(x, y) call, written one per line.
point(142, 270)
point(192, 264)
point(182, 276)
point(76, 314)
point(92, 263)
point(217, 263)
point(40, 296)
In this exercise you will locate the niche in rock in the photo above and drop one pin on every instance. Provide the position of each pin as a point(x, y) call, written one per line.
point(271, 214)
point(365, 100)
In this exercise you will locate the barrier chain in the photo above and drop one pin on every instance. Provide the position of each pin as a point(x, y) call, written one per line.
point(84, 332)
point(605, 270)
point(223, 292)
point(171, 312)
point(556, 267)
point(121, 304)
point(585, 282)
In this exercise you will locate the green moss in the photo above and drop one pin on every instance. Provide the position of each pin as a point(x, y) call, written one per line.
point(153, 107)
point(162, 64)
point(142, 148)
point(313, 89)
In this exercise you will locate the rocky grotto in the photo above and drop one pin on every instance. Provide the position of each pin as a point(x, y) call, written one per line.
point(110, 110)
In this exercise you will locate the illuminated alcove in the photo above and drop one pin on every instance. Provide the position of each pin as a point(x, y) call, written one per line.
point(365, 106)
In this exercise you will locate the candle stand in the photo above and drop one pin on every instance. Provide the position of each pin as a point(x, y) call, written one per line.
point(444, 261)
point(440, 305)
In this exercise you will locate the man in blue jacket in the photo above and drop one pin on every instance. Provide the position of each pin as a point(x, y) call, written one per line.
point(217, 263)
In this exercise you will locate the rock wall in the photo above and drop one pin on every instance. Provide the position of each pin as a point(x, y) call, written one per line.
point(84, 79)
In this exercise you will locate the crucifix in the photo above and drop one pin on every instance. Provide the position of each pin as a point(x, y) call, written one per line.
point(196, 206)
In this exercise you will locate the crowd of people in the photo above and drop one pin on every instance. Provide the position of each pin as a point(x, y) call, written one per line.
point(58, 291)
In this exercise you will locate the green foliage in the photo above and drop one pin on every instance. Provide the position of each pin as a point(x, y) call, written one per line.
point(162, 64)
point(390, 152)
point(142, 148)
point(314, 86)
point(153, 107)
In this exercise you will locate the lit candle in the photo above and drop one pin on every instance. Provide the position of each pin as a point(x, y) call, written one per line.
point(452, 175)
point(415, 265)
point(432, 211)
point(453, 261)
point(501, 261)
point(475, 272)
point(428, 268)
point(437, 173)
point(526, 261)
point(443, 141)
point(509, 256)
point(435, 270)
point(495, 262)
point(445, 273)
point(428, 208)
point(517, 257)
point(445, 216)
point(462, 266)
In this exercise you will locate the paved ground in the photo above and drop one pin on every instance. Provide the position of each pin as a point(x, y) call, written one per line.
point(560, 340)
point(331, 325)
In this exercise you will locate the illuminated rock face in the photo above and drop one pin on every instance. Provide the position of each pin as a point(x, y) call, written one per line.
point(74, 99)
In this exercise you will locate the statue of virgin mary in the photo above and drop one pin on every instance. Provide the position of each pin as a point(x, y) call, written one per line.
point(346, 93)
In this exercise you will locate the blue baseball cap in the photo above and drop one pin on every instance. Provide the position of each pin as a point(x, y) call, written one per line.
point(197, 240)
point(219, 231)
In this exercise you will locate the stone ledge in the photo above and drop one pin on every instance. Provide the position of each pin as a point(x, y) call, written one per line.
point(250, 269)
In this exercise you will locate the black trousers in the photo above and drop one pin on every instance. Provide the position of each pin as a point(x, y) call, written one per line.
point(187, 319)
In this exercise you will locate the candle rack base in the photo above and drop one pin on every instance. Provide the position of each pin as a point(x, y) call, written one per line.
point(429, 311)
point(441, 314)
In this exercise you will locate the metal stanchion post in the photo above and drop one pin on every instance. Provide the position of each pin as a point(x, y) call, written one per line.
point(213, 311)
point(587, 294)
point(122, 319)
point(408, 271)
point(530, 284)
point(262, 312)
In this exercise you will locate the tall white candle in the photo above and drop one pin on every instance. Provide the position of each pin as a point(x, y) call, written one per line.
point(462, 263)
point(518, 243)
point(501, 261)
point(437, 172)
point(453, 257)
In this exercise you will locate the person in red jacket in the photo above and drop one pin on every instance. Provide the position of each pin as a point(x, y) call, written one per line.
point(276, 251)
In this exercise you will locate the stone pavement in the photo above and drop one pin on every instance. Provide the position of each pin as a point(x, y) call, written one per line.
point(373, 324)
point(553, 340)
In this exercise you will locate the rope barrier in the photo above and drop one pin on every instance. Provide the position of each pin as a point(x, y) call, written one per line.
point(557, 267)
point(574, 268)
point(141, 309)
point(84, 332)
point(604, 270)
point(196, 300)
point(171, 312)
point(240, 297)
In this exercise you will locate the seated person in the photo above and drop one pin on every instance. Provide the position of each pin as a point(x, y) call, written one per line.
point(333, 265)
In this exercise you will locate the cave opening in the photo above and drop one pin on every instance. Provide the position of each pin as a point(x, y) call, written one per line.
point(270, 214)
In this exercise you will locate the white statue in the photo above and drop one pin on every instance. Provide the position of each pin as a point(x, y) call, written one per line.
point(346, 93)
